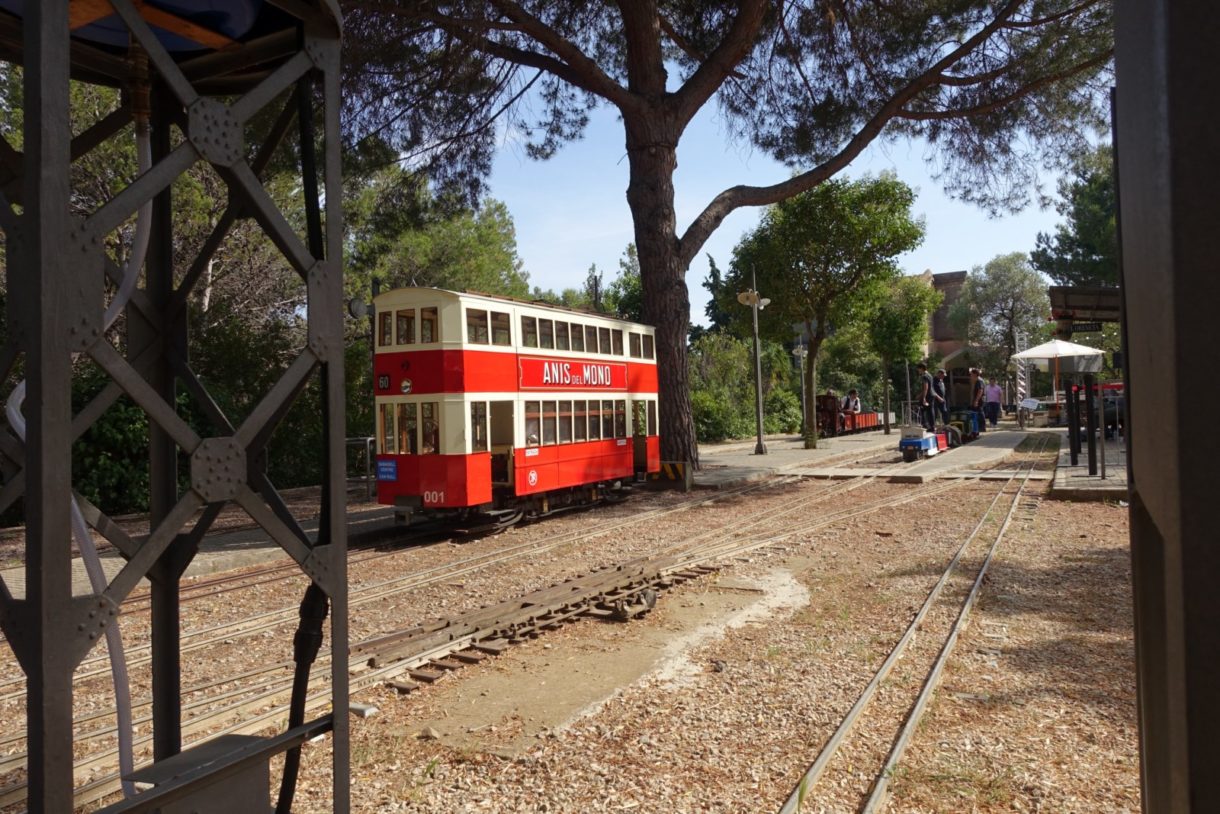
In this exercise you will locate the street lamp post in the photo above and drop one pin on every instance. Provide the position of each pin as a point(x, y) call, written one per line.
point(756, 304)
point(800, 352)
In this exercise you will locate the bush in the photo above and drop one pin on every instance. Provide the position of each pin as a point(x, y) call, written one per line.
point(781, 411)
point(715, 418)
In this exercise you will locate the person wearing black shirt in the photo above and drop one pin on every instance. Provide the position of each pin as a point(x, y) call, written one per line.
point(925, 400)
point(940, 397)
point(976, 397)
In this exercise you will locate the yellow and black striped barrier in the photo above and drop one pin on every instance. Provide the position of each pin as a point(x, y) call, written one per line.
point(677, 472)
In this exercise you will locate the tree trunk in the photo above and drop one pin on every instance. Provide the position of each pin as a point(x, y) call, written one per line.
point(813, 346)
point(650, 194)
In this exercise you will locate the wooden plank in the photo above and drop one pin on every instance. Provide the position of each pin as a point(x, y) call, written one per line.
point(427, 676)
point(403, 687)
point(446, 664)
point(470, 656)
point(493, 647)
point(85, 12)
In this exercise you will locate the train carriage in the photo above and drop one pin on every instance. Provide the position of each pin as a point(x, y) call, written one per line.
point(489, 408)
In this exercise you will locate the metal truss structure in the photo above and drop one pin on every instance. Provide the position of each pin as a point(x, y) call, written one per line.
point(206, 105)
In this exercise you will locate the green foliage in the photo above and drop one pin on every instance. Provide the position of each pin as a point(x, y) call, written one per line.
point(1084, 250)
point(722, 387)
point(110, 460)
point(998, 301)
point(898, 326)
point(625, 295)
point(818, 256)
point(781, 411)
point(474, 251)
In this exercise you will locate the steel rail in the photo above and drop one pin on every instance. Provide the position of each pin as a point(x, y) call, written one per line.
point(811, 776)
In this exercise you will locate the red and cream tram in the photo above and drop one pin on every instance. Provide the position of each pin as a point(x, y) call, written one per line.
point(490, 408)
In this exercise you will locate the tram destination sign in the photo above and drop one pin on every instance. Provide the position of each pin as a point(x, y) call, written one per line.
point(571, 374)
point(1085, 327)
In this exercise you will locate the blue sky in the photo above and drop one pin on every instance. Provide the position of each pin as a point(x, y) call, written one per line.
point(571, 211)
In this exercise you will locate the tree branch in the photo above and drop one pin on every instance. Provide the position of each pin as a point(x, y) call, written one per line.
point(738, 196)
point(579, 69)
point(710, 75)
point(995, 104)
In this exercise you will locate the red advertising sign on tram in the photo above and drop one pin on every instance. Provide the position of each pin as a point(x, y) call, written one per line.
point(571, 374)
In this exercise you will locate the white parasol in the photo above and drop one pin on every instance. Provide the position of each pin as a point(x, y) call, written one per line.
point(1088, 360)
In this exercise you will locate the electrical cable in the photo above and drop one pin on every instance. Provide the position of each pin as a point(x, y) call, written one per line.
point(305, 645)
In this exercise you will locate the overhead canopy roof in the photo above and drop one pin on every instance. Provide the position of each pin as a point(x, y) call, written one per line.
point(1084, 303)
point(221, 46)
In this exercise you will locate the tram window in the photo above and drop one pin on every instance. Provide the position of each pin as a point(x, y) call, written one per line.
point(430, 442)
point(385, 324)
point(620, 419)
point(565, 421)
point(429, 326)
point(548, 422)
point(595, 420)
point(561, 335)
point(590, 339)
point(476, 326)
point(647, 346)
point(578, 337)
point(652, 418)
point(546, 333)
point(533, 423)
point(500, 332)
point(607, 419)
point(633, 344)
point(529, 332)
point(639, 425)
point(408, 438)
point(388, 446)
point(603, 340)
point(580, 420)
point(405, 326)
point(618, 341)
point(478, 426)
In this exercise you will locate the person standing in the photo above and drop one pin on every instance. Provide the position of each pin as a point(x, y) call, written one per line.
point(993, 395)
point(926, 418)
point(940, 396)
point(976, 397)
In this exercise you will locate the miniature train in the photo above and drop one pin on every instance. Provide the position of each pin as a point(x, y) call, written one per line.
point(489, 408)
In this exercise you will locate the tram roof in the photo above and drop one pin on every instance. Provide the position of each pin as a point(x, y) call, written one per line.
point(397, 293)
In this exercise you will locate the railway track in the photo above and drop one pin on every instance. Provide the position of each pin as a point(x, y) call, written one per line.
point(1018, 504)
point(423, 653)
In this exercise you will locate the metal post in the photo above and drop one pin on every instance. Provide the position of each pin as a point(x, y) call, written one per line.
point(756, 303)
point(42, 288)
point(162, 452)
point(760, 448)
point(1101, 423)
point(1090, 416)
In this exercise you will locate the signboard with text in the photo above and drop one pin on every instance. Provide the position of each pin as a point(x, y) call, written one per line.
point(571, 374)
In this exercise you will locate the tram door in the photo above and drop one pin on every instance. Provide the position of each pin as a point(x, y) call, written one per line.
point(501, 438)
point(639, 435)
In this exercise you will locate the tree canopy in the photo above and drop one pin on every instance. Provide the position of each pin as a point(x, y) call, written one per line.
point(898, 325)
point(810, 83)
point(820, 258)
point(1084, 249)
point(1000, 300)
